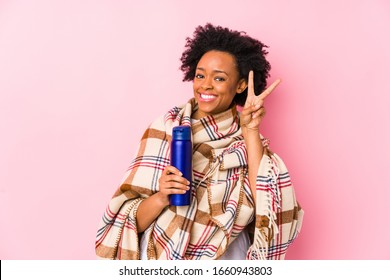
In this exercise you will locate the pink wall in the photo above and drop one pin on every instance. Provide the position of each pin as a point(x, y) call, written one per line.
point(80, 80)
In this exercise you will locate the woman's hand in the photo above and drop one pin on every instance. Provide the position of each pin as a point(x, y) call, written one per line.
point(171, 182)
point(253, 111)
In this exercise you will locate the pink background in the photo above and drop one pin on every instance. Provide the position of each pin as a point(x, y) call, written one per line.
point(80, 81)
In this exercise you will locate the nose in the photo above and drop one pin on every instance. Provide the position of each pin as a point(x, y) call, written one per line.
point(207, 84)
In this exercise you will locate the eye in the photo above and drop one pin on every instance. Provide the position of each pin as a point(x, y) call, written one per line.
point(199, 76)
point(219, 79)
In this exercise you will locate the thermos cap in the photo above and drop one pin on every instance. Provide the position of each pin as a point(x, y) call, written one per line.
point(181, 132)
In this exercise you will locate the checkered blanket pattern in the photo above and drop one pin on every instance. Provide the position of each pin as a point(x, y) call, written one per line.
point(221, 205)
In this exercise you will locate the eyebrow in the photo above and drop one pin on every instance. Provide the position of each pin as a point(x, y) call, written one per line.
point(216, 70)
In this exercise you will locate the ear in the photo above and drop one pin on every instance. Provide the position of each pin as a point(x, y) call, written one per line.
point(241, 86)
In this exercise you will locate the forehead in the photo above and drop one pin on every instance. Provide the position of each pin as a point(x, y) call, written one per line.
point(217, 59)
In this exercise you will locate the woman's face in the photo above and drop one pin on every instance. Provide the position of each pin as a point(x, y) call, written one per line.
point(216, 83)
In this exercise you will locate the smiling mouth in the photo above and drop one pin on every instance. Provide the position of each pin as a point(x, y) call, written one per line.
point(207, 97)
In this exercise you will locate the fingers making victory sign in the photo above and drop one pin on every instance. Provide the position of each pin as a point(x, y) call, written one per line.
point(253, 110)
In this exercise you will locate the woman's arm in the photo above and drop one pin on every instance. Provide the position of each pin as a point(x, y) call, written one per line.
point(170, 182)
point(255, 153)
point(251, 116)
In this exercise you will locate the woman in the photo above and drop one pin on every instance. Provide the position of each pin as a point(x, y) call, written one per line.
point(243, 204)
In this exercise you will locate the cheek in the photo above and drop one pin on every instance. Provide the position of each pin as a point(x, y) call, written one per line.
point(232, 90)
point(195, 84)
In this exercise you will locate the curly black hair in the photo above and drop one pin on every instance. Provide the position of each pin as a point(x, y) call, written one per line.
point(248, 52)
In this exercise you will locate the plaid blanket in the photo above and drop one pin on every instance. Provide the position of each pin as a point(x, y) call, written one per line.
point(221, 203)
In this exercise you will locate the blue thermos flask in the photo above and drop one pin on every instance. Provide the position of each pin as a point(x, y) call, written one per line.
point(181, 158)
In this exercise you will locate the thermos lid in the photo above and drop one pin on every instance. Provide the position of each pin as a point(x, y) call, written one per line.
point(181, 132)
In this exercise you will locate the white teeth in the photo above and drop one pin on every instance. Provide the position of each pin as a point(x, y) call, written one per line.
point(207, 96)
